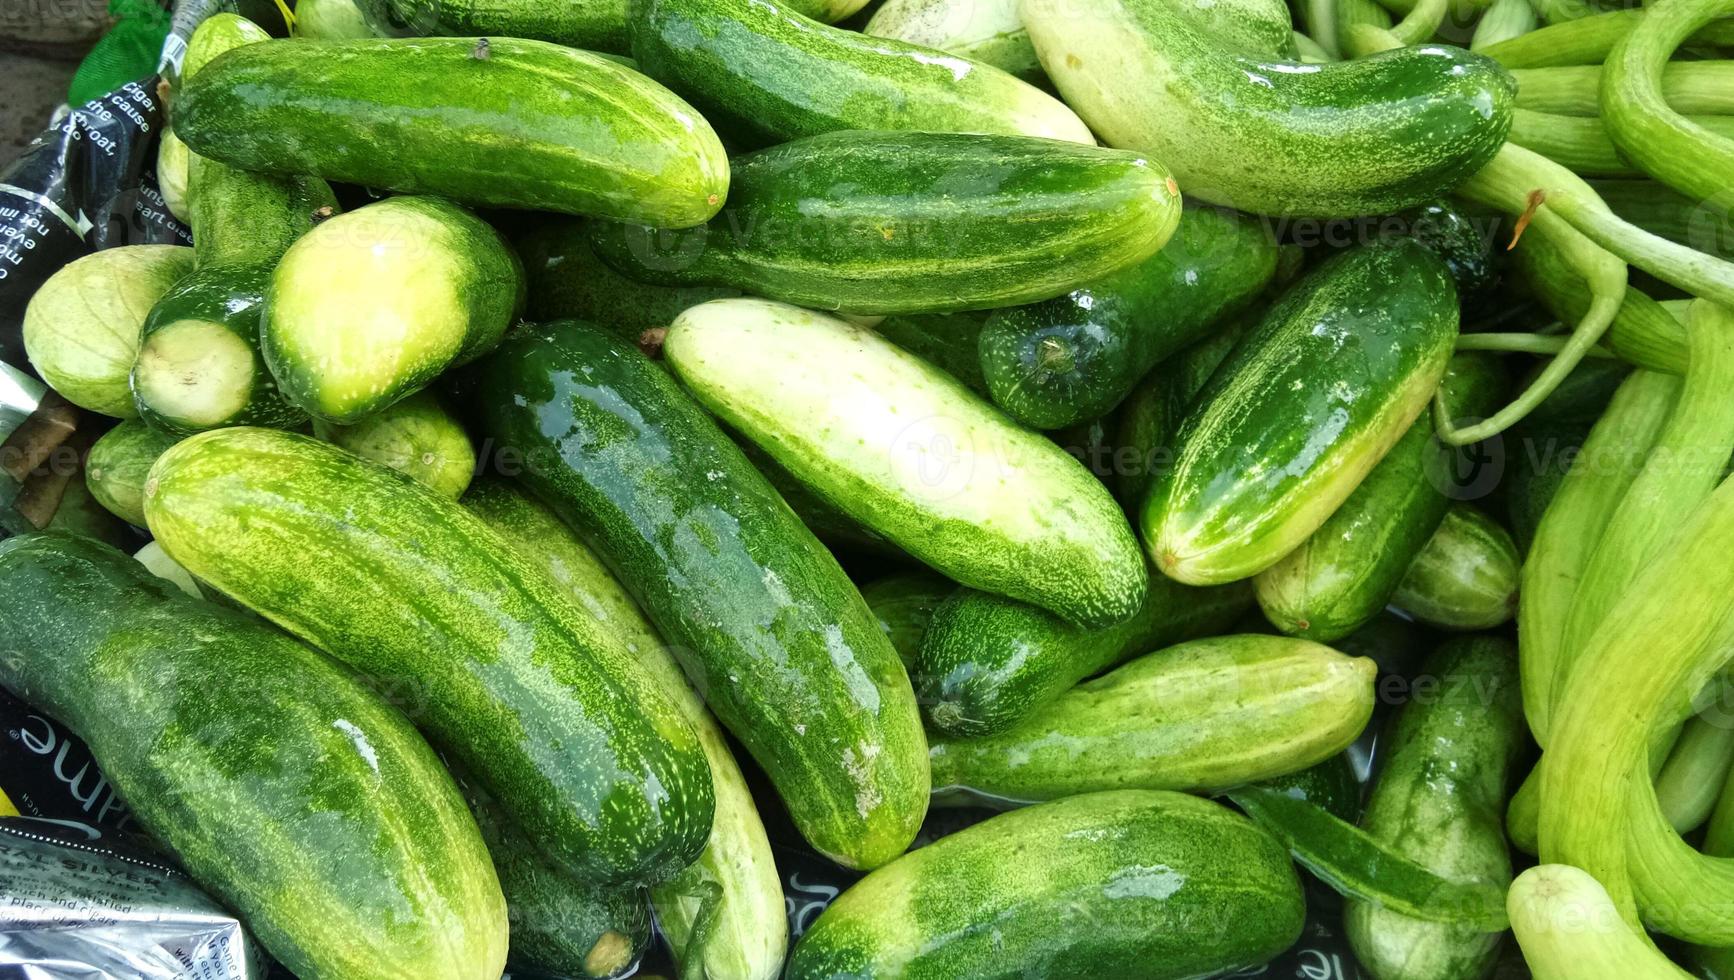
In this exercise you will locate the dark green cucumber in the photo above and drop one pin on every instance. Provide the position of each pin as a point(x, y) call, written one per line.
point(907, 451)
point(595, 25)
point(1308, 403)
point(764, 69)
point(904, 604)
point(199, 365)
point(1150, 417)
point(913, 223)
point(986, 662)
point(416, 437)
point(1339, 139)
point(1438, 800)
point(502, 122)
point(1207, 714)
point(372, 305)
point(1331, 785)
point(116, 467)
point(1157, 886)
point(770, 630)
point(534, 698)
point(1463, 239)
point(1074, 357)
point(286, 788)
point(948, 341)
point(828, 522)
point(1347, 570)
point(1466, 575)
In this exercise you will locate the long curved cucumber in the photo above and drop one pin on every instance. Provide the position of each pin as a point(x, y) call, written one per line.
point(770, 630)
point(870, 222)
point(286, 788)
point(1339, 139)
point(500, 122)
point(763, 69)
point(1207, 714)
point(1465, 577)
point(116, 467)
point(1307, 404)
point(537, 701)
point(1072, 358)
point(1005, 512)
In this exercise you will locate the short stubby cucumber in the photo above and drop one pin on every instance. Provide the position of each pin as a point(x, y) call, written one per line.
point(768, 627)
point(416, 437)
point(1466, 575)
point(372, 305)
point(497, 121)
point(1156, 886)
point(913, 223)
point(909, 452)
point(1339, 139)
point(544, 707)
point(284, 787)
point(1207, 714)
point(1307, 404)
point(768, 72)
point(116, 467)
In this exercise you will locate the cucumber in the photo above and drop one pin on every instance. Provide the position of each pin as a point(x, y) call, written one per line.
point(826, 520)
point(116, 467)
point(333, 20)
point(1345, 573)
point(1330, 785)
point(1150, 416)
point(1207, 714)
point(158, 563)
point(1064, 360)
point(774, 636)
point(1463, 239)
point(1157, 886)
point(1340, 139)
point(904, 604)
point(1308, 403)
point(1570, 929)
point(372, 305)
point(534, 698)
point(904, 223)
point(199, 365)
point(987, 662)
point(510, 123)
point(986, 31)
point(172, 161)
point(945, 340)
point(749, 932)
point(1465, 577)
point(417, 437)
point(286, 789)
point(1437, 800)
point(595, 25)
point(1007, 512)
point(764, 70)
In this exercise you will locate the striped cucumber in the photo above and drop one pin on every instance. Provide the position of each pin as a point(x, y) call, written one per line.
point(904, 604)
point(869, 222)
point(773, 634)
point(1326, 383)
point(1010, 514)
point(115, 469)
point(1207, 714)
point(417, 437)
point(1155, 886)
point(530, 695)
point(281, 784)
point(1466, 575)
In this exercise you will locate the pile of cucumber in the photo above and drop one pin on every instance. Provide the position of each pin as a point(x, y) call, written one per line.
point(1120, 414)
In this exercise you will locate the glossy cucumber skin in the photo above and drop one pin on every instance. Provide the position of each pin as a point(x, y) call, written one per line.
point(1438, 799)
point(567, 281)
point(519, 124)
point(374, 304)
point(904, 604)
point(594, 25)
point(1340, 139)
point(769, 629)
point(1130, 884)
point(763, 69)
point(1331, 784)
point(861, 421)
point(416, 437)
point(529, 694)
point(359, 859)
point(115, 469)
point(1150, 417)
point(1064, 360)
point(987, 662)
point(1466, 575)
point(876, 222)
point(1207, 714)
point(1308, 403)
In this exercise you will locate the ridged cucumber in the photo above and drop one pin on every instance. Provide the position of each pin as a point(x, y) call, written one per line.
point(1150, 417)
point(1157, 886)
point(773, 635)
point(764, 69)
point(1010, 514)
point(1207, 714)
point(116, 467)
point(372, 305)
point(416, 437)
point(1339, 139)
point(501, 122)
point(1073, 358)
point(906, 223)
point(1466, 575)
point(1308, 403)
point(904, 604)
point(282, 785)
point(544, 707)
